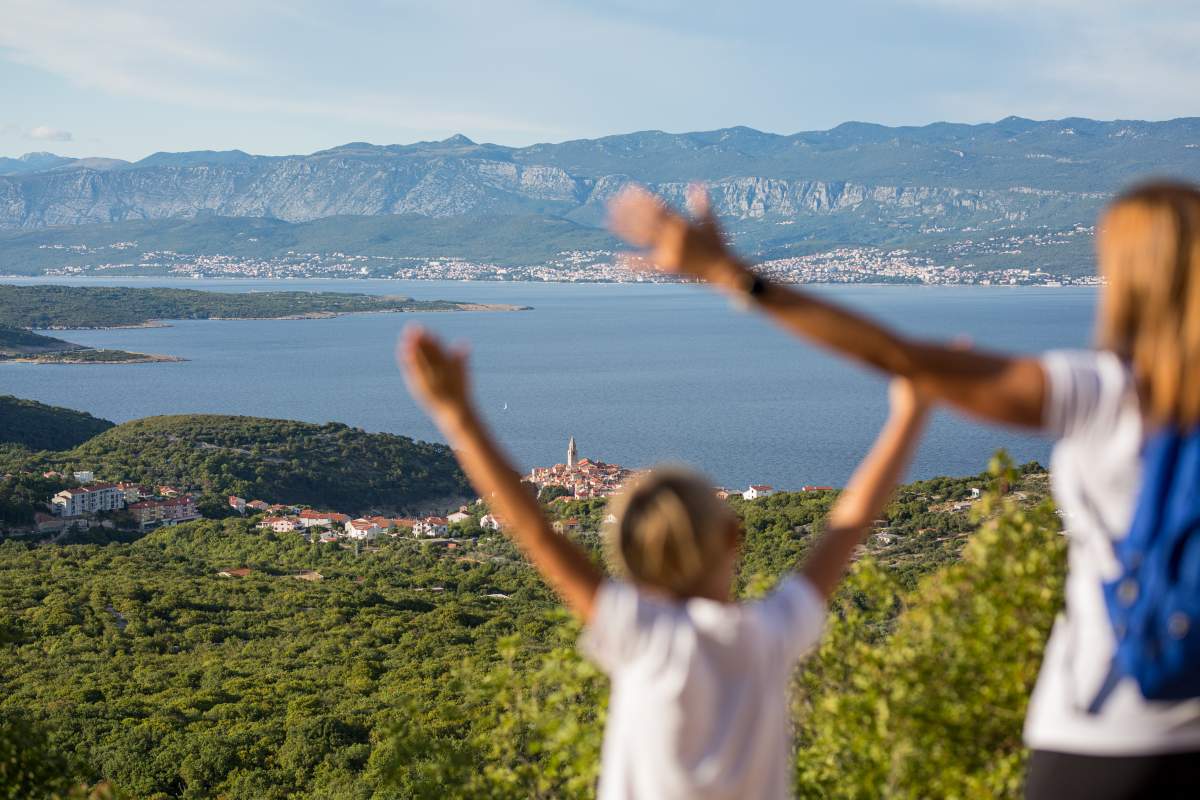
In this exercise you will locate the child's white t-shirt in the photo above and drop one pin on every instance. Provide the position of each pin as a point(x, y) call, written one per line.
point(699, 703)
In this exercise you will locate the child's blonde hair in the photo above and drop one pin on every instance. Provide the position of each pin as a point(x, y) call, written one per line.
point(670, 530)
point(1148, 245)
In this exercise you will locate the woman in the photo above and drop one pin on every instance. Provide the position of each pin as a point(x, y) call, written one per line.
point(1143, 374)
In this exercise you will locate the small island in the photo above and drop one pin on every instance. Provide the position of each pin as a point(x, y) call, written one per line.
point(24, 310)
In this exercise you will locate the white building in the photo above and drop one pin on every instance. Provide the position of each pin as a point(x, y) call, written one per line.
point(278, 524)
point(88, 500)
point(457, 517)
point(489, 523)
point(362, 529)
point(84, 476)
point(315, 519)
point(432, 526)
point(755, 492)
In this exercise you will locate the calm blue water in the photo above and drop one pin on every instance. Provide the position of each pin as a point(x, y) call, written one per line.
point(637, 373)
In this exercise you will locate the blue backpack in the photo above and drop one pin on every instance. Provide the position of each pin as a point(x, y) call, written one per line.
point(1154, 605)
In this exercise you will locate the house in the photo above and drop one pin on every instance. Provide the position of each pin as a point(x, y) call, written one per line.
point(386, 524)
point(327, 537)
point(149, 513)
point(314, 519)
point(134, 491)
point(722, 494)
point(88, 500)
point(258, 506)
point(816, 488)
point(339, 520)
point(278, 524)
point(168, 491)
point(240, 572)
point(238, 504)
point(755, 492)
point(569, 525)
point(362, 530)
point(432, 526)
point(84, 476)
point(489, 523)
point(402, 524)
point(458, 517)
point(973, 493)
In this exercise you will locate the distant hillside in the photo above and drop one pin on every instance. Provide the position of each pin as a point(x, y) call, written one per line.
point(102, 306)
point(130, 247)
point(331, 466)
point(37, 426)
point(926, 189)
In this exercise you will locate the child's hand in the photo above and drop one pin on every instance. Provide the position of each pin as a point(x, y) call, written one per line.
point(672, 242)
point(906, 400)
point(436, 376)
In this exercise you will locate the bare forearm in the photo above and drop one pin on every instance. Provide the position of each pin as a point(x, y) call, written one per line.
point(994, 387)
point(862, 501)
point(560, 561)
point(871, 486)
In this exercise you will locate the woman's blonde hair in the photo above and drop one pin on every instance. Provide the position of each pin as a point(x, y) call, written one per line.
point(670, 530)
point(1148, 246)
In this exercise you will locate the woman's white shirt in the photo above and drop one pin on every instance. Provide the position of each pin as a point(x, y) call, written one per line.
point(1092, 406)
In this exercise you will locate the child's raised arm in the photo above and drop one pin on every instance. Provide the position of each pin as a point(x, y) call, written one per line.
point(869, 490)
point(437, 377)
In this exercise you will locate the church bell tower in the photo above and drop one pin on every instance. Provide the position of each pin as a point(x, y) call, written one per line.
point(572, 453)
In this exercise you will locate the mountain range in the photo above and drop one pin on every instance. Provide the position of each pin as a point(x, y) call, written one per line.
point(928, 188)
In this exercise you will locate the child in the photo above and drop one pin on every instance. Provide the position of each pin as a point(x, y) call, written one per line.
point(698, 706)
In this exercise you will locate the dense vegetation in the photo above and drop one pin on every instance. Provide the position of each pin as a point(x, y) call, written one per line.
point(103, 306)
point(37, 426)
point(416, 671)
point(330, 466)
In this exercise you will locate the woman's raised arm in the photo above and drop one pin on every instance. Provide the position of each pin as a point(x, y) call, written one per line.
point(995, 387)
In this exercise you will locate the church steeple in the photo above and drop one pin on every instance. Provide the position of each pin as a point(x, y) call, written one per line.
point(572, 452)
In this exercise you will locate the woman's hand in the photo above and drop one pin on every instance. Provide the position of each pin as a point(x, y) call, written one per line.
point(672, 242)
point(436, 375)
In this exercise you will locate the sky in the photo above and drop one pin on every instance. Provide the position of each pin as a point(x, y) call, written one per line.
point(126, 78)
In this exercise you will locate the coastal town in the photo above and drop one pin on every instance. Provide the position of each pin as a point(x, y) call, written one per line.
point(131, 506)
point(859, 264)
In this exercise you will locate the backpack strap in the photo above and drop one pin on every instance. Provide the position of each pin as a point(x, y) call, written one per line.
point(1111, 681)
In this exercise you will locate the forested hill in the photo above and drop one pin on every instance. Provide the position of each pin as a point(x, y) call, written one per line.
point(37, 426)
point(331, 465)
point(106, 306)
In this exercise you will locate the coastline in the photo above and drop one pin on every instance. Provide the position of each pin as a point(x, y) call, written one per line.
point(68, 359)
point(1064, 283)
point(158, 323)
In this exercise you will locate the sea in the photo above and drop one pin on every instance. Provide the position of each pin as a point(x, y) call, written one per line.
point(638, 373)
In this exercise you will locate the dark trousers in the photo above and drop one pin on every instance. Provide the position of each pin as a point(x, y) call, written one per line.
point(1066, 776)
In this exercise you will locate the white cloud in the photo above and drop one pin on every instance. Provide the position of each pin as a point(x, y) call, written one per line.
point(1120, 58)
point(177, 55)
point(47, 134)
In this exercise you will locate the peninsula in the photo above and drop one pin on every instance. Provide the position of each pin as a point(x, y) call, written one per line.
point(27, 309)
